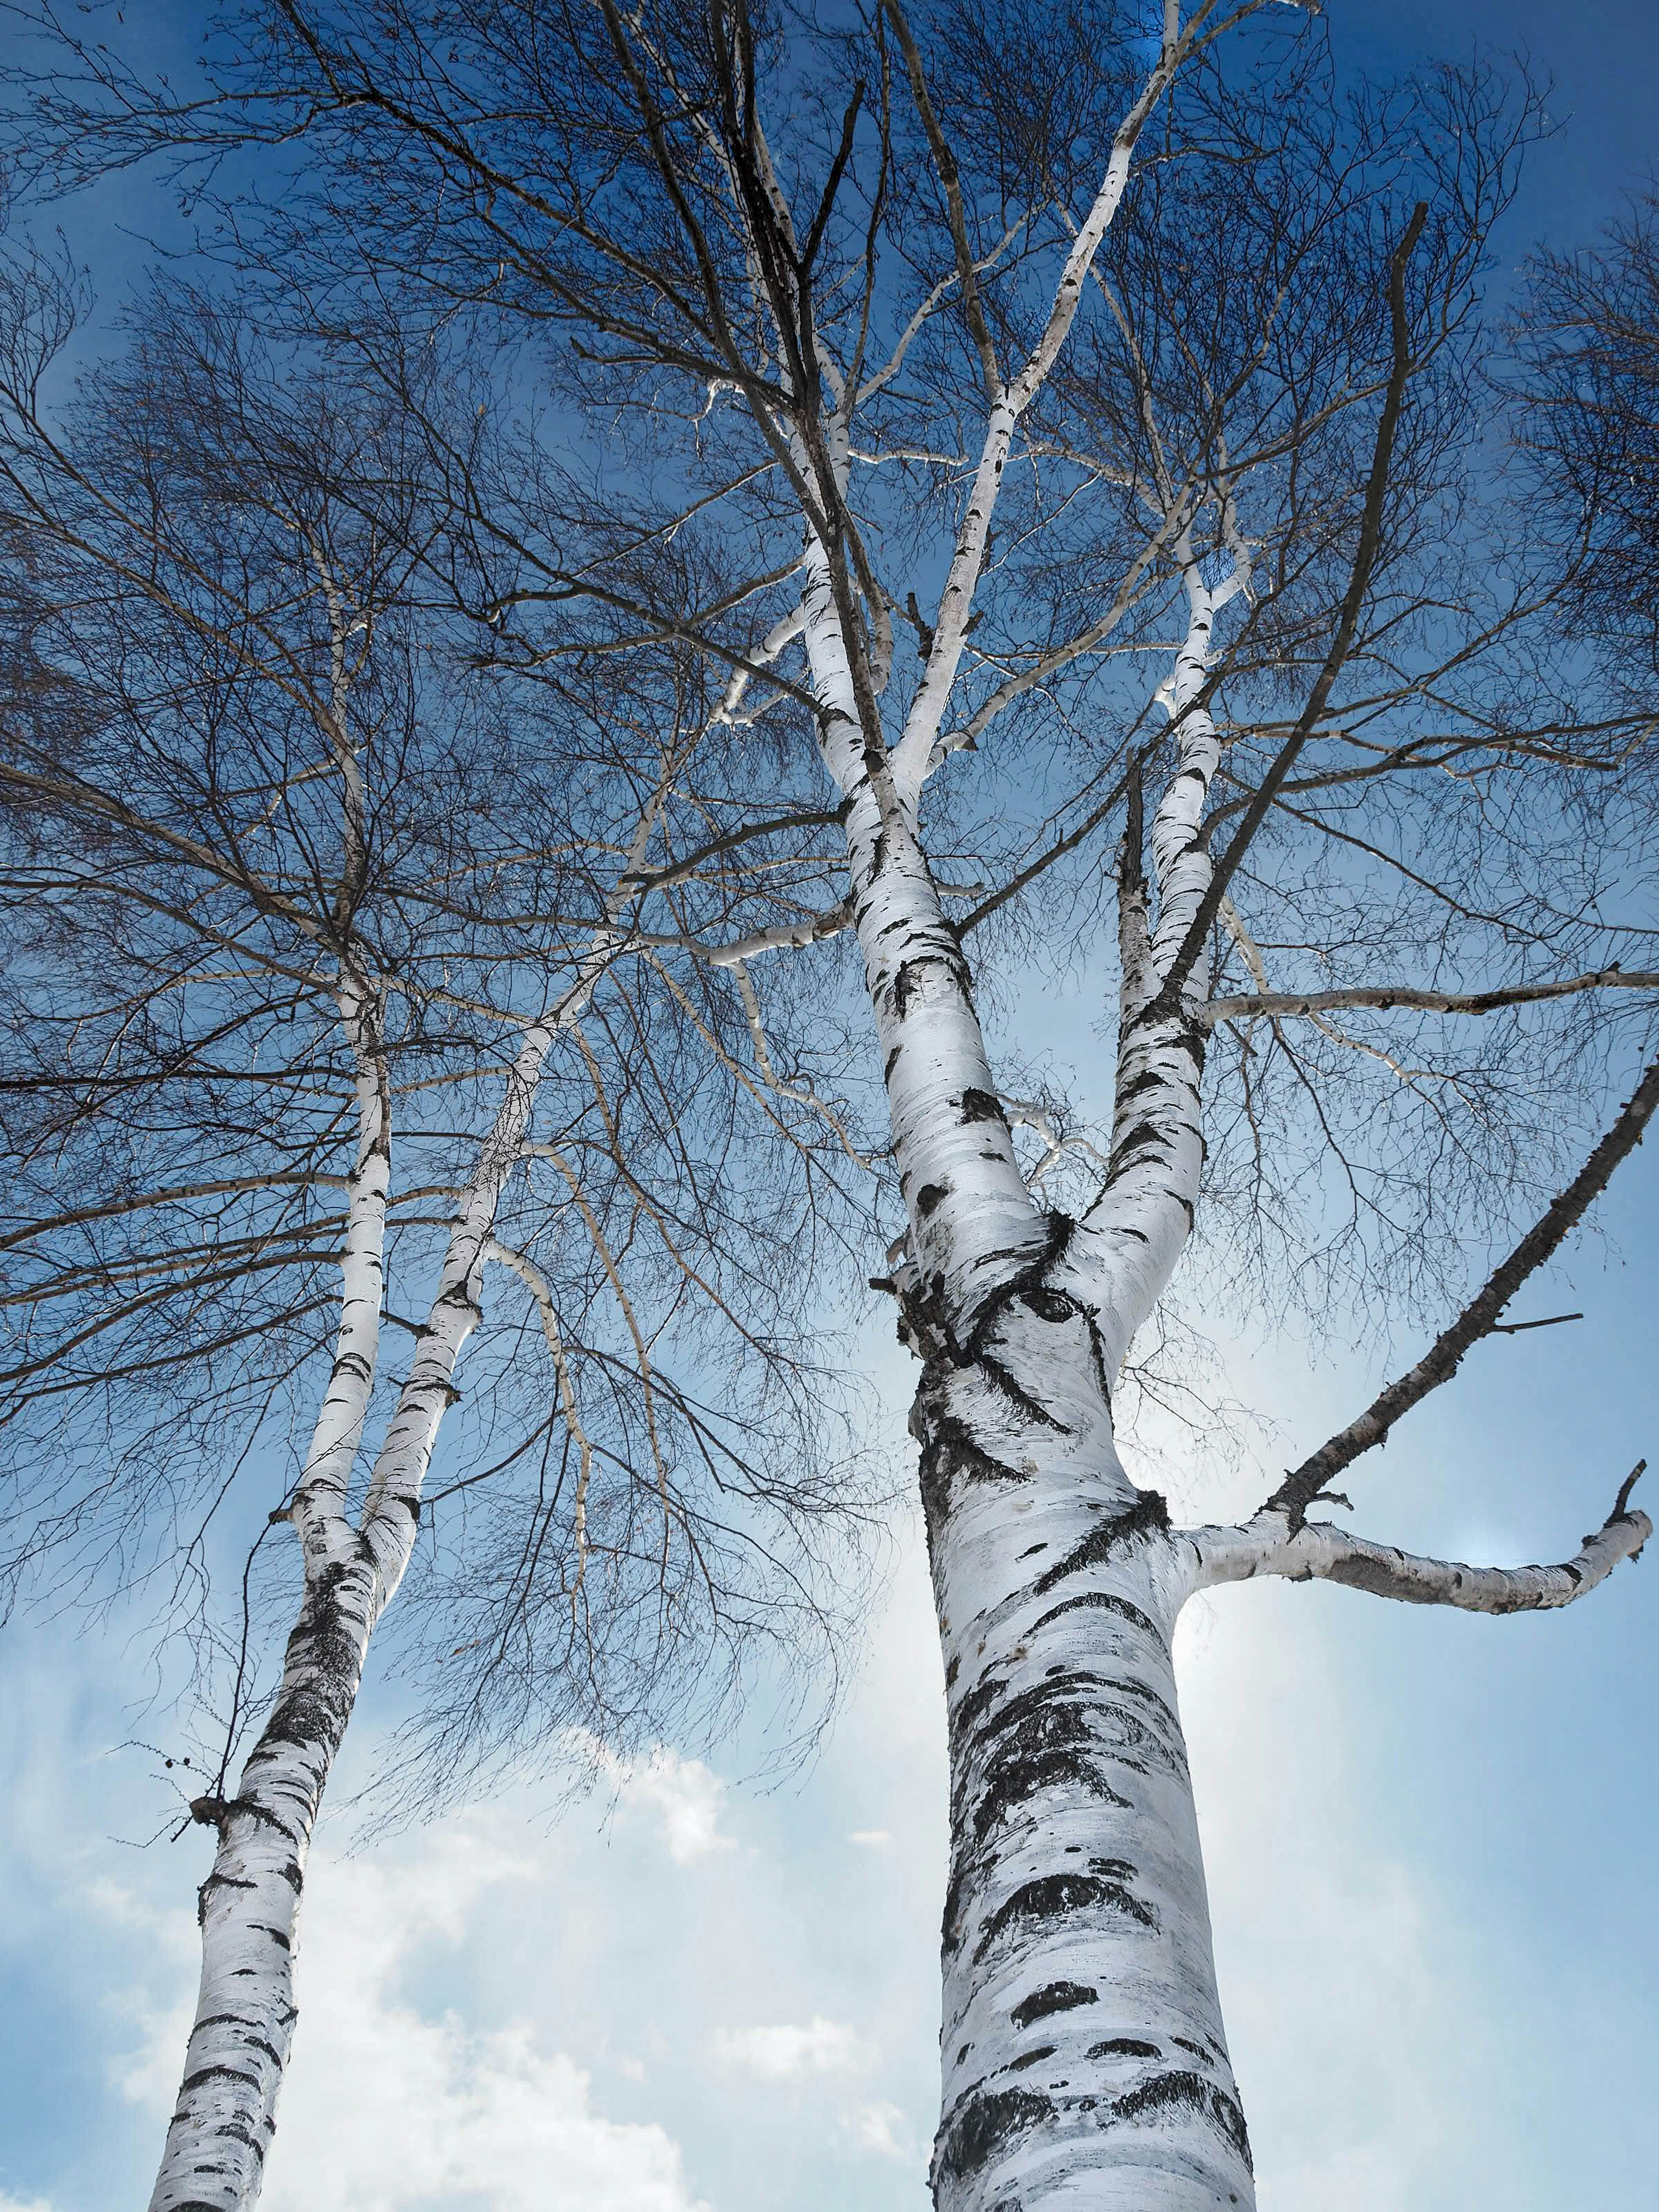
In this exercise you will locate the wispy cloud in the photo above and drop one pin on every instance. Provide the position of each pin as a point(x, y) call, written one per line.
point(685, 1796)
point(788, 2054)
point(881, 2128)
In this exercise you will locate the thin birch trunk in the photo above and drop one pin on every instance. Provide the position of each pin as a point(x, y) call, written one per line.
point(225, 2115)
point(248, 1905)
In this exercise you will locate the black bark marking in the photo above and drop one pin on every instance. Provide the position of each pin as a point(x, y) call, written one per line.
point(981, 1106)
point(1003, 1380)
point(217, 2074)
point(1060, 1734)
point(1031, 2059)
point(1137, 1087)
point(1150, 1510)
point(949, 1454)
point(216, 1882)
point(1186, 2092)
point(1029, 1283)
point(323, 1643)
point(982, 2123)
point(931, 1197)
point(1145, 1140)
point(1046, 1735)
point(1107, 1602)
point(252, 1810)
point(1124, 2046)
point(1148, 1696)
point(1056, 1997)
point(1053, 1896)
point(906, 978)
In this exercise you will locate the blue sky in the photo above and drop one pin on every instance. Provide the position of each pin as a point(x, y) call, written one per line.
point(1429, 1837)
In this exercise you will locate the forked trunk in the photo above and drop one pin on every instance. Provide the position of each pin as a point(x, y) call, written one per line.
point(1084, 2058)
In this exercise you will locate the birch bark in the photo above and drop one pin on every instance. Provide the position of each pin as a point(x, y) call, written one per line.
point(225, 2115)
point(1084, 2057)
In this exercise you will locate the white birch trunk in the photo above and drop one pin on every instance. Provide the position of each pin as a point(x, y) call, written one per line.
point(1083, 2060)
point(249, 1905)
point(226, 2115)
point(1083, 2055)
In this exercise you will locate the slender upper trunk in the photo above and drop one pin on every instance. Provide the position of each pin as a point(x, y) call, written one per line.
point(248, 1906)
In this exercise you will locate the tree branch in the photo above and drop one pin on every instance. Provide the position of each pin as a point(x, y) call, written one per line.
point(1364, 560)
point(1440, 1363)
point(1316, 1551)
point(1386, 996)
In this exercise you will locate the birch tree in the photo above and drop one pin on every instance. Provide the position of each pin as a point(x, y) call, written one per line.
point(307, 1036)
point(1054, 443)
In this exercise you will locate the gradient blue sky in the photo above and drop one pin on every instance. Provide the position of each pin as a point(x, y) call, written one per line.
point(1430, 1837)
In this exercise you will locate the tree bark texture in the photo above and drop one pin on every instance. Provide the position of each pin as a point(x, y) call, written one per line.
point(226, 2114)
point(1083, 2053)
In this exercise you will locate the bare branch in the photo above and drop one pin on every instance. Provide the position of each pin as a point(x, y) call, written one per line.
point(1440, 1363)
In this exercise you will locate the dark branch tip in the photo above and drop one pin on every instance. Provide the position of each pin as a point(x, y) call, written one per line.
point(1621, 1503)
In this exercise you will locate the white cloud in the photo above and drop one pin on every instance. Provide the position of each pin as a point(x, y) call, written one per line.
point(880, 2127)
point(872, 1839)
point(786, 2054)
point(685, 1795)
point(450, 2116)
point(387, 2108)
point(23, 2204)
